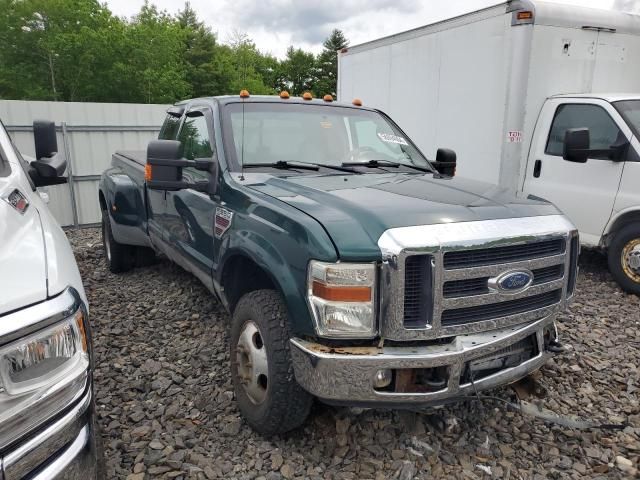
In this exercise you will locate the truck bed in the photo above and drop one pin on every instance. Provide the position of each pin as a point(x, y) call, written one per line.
point(138, 157)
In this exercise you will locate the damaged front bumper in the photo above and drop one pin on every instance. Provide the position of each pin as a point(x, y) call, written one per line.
point(422, 375)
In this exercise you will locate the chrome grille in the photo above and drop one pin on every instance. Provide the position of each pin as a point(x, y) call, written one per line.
point(479, 286)
point(504, 254)
point(462, 259)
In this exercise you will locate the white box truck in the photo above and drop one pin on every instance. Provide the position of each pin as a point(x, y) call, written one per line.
point(521, 91)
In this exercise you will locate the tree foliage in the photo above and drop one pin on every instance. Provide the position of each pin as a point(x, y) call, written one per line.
point(77, 50)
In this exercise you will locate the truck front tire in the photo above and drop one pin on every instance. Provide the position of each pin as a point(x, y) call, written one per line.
point(624, 258)
point(119, 257)
point(266, 390)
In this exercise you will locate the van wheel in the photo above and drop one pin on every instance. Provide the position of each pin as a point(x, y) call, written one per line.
point(266, 390)
point(119, 257)
point(624, 258)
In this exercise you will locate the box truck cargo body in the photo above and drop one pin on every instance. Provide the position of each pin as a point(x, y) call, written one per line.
point(519, 91)
point(476, 83)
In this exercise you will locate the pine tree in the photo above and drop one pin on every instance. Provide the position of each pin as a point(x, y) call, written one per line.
point(327, 64)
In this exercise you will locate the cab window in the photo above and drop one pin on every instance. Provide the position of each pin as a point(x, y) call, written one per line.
point(603, 130)
point(194, 135)
point(169, 128)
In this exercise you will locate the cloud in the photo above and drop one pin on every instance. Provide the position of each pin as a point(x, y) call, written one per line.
point(311, 21)
point(631, 6)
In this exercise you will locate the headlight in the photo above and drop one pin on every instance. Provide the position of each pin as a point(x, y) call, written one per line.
point(40, 374)
point(342, 299)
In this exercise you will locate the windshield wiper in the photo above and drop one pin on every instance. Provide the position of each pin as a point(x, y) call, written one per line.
point(342, 168)
point(284, 165)
point(384, 163)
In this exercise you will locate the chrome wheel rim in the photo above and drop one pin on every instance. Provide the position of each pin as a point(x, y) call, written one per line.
point(251, 358)
point(631, 260)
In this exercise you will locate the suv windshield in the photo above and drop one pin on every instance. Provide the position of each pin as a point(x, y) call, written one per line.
point(268, 133)
point(630, 111)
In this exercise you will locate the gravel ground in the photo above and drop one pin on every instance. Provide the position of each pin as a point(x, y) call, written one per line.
point(166, 407)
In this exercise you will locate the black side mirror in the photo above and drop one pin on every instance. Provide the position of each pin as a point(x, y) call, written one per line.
point(576, 145)
point(49, 166)
point(446, 161)
point(164, 168)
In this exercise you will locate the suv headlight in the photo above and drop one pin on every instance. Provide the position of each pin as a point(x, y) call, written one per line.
point(342, 298)
point(40, 374)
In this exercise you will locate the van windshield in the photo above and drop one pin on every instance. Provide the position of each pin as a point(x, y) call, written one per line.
point(630, 111)
point(268, 133)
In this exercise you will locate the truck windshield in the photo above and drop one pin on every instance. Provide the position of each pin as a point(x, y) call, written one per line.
point(630, 111)
point(269, 133)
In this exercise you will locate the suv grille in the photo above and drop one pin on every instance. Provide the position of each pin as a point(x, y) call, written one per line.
point(505, 254)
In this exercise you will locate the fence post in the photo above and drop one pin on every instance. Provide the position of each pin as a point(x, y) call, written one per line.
point(72, 192)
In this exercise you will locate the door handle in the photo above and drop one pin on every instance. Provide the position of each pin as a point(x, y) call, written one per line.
point(536, 168)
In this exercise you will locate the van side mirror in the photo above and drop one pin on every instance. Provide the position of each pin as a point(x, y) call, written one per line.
point(49, 166)
point(576, 145)
point(446, 161)
point(163, 170)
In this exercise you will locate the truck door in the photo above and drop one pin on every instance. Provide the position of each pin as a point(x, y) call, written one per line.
point(585, 192)
point(190, 213)
point(157, 199)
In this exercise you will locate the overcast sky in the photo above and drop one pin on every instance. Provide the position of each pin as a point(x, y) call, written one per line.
point(275, 24)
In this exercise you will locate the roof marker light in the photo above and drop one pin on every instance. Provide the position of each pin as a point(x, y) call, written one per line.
point(524, 15)
point(244, 93)
point(357, 102)
point(284, 94)
point(307, 96)
point(328, 98)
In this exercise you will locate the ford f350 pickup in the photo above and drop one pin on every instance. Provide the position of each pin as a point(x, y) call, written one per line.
point(355, 270)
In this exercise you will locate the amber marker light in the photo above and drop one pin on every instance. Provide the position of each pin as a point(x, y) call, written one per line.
point(328, 98)
point(525, 15)
point(147, 172)
point(357, 102)
point(244, 93)
point(337, 293)
point(307, 96)
point(284, 95)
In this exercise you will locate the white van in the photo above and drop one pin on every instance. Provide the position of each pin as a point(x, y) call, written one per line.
point(511, 89)
point(47, 416)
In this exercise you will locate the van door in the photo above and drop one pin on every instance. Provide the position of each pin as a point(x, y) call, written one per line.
point(190, 214)
point(585, 192)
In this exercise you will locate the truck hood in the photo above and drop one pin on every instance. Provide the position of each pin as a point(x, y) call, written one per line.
point(23, 280)
point(356, 209)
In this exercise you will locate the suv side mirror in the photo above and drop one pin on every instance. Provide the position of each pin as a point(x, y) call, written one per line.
point(164, 168)
point(446, 161)
point(576, 145)
point(49, 165)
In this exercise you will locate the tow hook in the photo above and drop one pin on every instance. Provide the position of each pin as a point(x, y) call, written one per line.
point(554, 346)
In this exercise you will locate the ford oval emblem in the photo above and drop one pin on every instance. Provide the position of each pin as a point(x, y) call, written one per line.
point(512, 282)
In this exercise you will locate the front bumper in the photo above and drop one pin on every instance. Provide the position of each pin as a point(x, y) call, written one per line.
point(65, 450)
point(345, 375)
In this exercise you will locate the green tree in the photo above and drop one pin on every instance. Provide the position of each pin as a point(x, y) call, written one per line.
point(298, 71)
point(327, 64)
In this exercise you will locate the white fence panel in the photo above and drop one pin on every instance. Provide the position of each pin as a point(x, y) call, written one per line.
point(88, 133)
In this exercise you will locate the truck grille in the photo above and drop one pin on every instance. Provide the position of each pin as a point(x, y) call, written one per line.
point(461, 316)
point(441, 280)
point(505, 254)
point(479, 286)
point(464, 298)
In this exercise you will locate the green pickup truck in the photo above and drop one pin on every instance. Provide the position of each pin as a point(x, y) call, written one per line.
point(355, 270)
